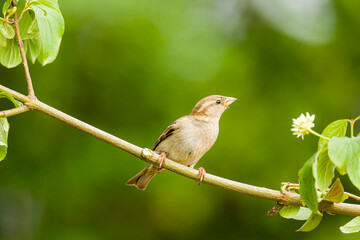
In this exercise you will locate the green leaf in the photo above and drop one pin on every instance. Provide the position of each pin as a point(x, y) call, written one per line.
point(49, 3)
point(10, 97)
point(343, 151)
point(353, 169)
point(51, 25)
point(4, 130)
point(311, 223)
point(3, 41)
point(21, 5)
point(336, 193)
point(33, 32)
point(6, 29)
point(352, 226)
point(289, 211)
point(307, 188)
point(10, 56)
point(303, 214)
point(26, 23)
point(295, 212)
point(323, 170)
point(6, 6)
point(33, 49)
point(334, 129)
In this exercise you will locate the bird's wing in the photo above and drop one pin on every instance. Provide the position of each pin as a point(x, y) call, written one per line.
point(167, 133)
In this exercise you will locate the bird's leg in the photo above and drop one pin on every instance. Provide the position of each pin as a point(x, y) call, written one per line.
point(162, 158)
point(201, 174)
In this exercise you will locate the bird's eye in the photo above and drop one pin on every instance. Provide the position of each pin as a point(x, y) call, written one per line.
point(218, 101)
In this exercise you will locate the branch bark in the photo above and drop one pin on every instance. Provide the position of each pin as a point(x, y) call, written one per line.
point(285, 198)
point(14, 111)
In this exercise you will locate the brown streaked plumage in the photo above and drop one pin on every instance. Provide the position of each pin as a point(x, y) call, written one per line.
point(188, 138)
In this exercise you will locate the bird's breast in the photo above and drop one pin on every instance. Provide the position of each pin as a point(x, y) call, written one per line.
point(190, 142)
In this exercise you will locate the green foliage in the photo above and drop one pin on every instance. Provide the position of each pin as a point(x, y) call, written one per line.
point(4, 127)
point(352, 226)
point(51, 25)
point(289, 211)
point(303, 214)
point(330, 153)
point(323, 169)
point(336, 193)
point(21, 5)
point(10, 97)
point(41, 28)
point(6, 6)
point(334, 151)
point(6, 29)
point(335, 129)
point(33, 47)
point(307, 185)
point(343, 151)
point(312, 222)
point(4, 130)
point(295, 212)
point(2, 41)
point(354, 171)
point(309, 195)
point(10, 55)
point(26, 25)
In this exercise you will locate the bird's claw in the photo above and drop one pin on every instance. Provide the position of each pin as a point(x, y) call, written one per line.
point(162, 158)
point(202, 174)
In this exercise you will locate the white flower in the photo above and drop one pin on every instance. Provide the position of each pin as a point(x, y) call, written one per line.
point(303, 124)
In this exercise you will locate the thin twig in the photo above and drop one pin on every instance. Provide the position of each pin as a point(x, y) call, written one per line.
point(275, 210)
point(286, 198)
point(31, 92)
point(9, 22)
point(353, 196)
point(22, 14)
point(14, 111)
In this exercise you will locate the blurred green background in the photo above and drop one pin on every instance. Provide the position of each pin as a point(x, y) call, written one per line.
point(131, 68)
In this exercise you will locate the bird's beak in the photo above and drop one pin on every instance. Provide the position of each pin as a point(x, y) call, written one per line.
point(228, 101)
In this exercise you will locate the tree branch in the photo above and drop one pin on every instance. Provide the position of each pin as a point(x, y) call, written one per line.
point(285, 198)
point(14, 111)
point(23, 54)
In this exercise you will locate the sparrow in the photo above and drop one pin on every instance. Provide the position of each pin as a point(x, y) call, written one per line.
point(187, 139)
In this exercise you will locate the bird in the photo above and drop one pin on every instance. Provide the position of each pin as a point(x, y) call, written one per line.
point(187, 139)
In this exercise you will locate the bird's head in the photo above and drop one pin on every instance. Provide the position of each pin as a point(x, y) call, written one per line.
point(212, 106)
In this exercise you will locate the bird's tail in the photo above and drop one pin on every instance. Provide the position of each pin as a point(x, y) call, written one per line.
point(142, 179)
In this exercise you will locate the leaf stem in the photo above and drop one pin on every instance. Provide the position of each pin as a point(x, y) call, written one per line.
point(352, 128)
point(14, 111)
point(352, 125)
point(356, 119)
point(319, 135)
point(31, 92)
